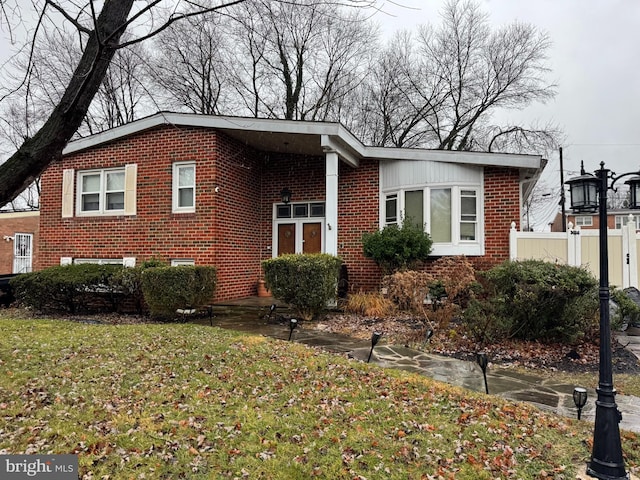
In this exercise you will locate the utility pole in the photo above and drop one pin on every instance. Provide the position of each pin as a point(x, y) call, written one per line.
point(562, 198)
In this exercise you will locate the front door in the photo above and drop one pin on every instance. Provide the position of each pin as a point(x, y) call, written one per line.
point(22, 252)
point(286, 238)
point(312, 237)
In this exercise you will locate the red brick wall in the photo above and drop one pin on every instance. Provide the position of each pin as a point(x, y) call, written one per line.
point(219, 232)
point(10, 224)
point(501, 207)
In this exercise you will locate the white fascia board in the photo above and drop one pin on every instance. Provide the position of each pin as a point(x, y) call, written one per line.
point(332, 144)
point(196, 120)
point(513, 160)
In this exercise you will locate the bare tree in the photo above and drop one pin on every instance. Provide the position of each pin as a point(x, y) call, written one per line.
point(190, 65)
point(100, 26)
point(298, 60)
point(441, 89)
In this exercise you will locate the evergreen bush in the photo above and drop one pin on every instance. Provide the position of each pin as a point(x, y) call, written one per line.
point(307, 282)
point(537, 300)
point(167, 289)
point(397, 248)
point(70, 288)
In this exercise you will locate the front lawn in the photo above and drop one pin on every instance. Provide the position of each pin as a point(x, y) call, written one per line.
point(190, 401)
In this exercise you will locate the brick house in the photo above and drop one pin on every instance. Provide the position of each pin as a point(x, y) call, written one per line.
point(616, 219)
point(208, 190)
point(18, 240)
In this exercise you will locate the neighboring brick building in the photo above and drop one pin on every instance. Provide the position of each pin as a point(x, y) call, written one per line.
point(207, 190)
point(18, 240)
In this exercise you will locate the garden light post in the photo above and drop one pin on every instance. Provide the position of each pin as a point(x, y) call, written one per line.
point(483, 362)
point(580, 399)
point(375, 337)
point(293, 323)
point(606, 457)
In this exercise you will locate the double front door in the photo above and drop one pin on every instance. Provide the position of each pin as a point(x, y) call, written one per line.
point(299, 237)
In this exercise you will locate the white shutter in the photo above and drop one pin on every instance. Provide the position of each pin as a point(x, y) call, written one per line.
point(67, 193)
point(130, 180)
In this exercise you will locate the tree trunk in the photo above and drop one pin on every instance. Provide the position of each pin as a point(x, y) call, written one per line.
point(46, 146)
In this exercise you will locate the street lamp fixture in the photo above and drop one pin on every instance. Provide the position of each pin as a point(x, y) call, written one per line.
point(606, 457)
point(375, 337)
point(580, 399)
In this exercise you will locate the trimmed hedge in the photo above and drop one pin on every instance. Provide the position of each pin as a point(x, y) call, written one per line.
point(307, 282)
point(167, 289)
point(70, 288)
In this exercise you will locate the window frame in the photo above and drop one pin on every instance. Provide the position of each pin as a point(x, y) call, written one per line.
point(580, 221)
point(102, 192)
point(457, 245)
point(176, 188)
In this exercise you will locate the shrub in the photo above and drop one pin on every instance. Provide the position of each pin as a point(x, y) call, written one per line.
point(397, 248)
point(408, 289)
point(129, 282)
point(69, 288)
point(368, 304)
point(628, 311)
point(307, 282)
point(539, 300)
point(167, 289)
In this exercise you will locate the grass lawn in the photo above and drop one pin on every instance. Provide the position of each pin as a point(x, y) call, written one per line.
point(189, 401)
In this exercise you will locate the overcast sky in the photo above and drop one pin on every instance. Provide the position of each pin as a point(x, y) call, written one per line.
point(595, 61)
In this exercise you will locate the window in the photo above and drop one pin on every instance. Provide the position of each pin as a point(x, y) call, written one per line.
point(182, 262)
point(468, 215)
point(584, 221)
point(184, 187)
point(299, 210)
point(391, 209)
point(99, 261)
point(450, 214)
point(621, 221)
point(101, 191)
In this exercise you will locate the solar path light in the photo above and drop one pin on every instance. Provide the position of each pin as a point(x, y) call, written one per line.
point(375, 337)
point(580, 399)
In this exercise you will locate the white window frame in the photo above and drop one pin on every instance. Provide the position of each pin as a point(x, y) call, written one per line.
point(102, 193)
point(176, 208)
point(183, 262)
point(457, 246)
point(99, 261)
point(584, 221)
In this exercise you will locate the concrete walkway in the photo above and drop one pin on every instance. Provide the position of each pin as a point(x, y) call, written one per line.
point(546, 394)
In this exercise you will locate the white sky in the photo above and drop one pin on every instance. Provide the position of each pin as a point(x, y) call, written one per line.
point(595, 61)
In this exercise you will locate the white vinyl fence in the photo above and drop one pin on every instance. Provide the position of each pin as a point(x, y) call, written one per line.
point(581, 247)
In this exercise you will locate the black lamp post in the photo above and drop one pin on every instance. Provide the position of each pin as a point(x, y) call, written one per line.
point(375, 337)
point(293, 323)
point(606, 457)
point(580, 399)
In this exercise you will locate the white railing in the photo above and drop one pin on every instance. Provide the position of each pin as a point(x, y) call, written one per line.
point(581, 247)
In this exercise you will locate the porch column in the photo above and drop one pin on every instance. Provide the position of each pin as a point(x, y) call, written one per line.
point(331, 202)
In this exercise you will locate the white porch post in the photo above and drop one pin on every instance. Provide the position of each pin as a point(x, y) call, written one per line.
point(513, 242)
point(629, 254)
point(331, 202)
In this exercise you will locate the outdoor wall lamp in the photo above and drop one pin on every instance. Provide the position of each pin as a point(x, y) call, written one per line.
point(293, 323)
point(285, 195)
point(375, 338)
point(580, 399)
point(607, 461)
point(483, 362)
